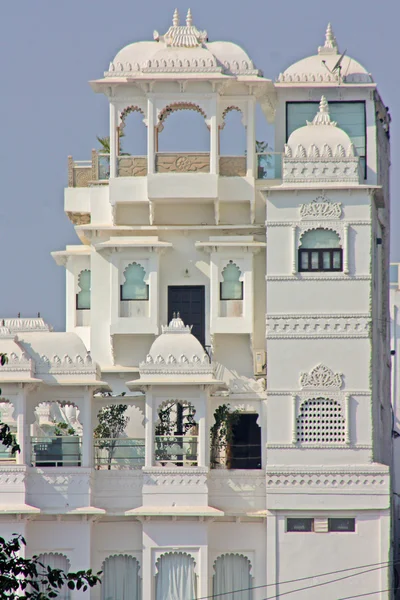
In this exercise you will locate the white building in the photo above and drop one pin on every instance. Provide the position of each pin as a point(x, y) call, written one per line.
point(299, 486)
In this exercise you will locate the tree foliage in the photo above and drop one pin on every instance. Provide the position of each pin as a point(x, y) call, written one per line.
point(28, 579)
point(112, 422)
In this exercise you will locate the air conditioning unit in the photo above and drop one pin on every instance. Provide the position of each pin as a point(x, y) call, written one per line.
point(259, 362)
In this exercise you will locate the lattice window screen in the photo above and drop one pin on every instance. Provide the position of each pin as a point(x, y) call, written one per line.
point(321, 420)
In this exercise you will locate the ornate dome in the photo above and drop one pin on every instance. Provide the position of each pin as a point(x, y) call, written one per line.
point(183, 48)
point(321, 67)
point(321, 136)
point(176, 350)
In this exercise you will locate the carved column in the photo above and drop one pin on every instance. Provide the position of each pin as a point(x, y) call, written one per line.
point(150, 137)
point(214, 133)
point(22, 457)
point(87, 437)
point(113, 141)
point(251, 138)
point(149, 430)
point(346, 249)
point(294, 250)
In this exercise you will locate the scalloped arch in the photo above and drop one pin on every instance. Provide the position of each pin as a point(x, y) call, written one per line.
point(80, 275)
point(325, 228)
point(61, 554)
point(176, 554)
point(230, 263)
point(124, 554)
point(234, 554)
point(175, 106)
point(127, 111)
point(227, 110)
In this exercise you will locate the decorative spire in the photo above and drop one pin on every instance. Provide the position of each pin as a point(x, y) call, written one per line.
point(322, 117)
point(182, 36)
point(330, 46)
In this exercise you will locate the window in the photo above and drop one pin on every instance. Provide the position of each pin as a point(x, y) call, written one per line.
point(55, 561)
point(350, 116)
point(296, 525)
point(232, 572)
point(121, 578)
point(340, 525)
point(176, 577)
point(320, 251)
point(134, 287)
point(231, 287)
point(321, 420)
point(83, 296)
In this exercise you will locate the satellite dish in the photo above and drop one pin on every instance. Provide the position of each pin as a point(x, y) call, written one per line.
point(338, 65)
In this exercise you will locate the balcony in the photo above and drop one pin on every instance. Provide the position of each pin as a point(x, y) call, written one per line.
point(118, 453)
point(58, 451)
point(178, 450)
point(236, 456)
point(97, 170)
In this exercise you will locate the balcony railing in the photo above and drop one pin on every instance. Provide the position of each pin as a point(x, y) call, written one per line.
point(7, 457)
point(179, 450)
point(86, 173)
point(236, 456)
point(58, 451)
point(119, 453)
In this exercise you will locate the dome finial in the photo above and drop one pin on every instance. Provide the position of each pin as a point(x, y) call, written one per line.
point(330, 46)
point(189, 20)
point(175, 18)
point(322, 117)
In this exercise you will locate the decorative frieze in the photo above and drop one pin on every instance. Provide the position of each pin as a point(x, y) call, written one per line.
point(326, 326)
point(345, 481)
point(321, 208)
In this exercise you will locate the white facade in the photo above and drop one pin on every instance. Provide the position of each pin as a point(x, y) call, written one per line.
point(279, 260)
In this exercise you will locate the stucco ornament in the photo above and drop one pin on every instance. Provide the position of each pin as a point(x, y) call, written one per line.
point(182, 36)
point(321, 208)
point(321, 376)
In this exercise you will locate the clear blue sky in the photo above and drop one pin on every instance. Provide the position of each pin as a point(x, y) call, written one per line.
point(51, 48)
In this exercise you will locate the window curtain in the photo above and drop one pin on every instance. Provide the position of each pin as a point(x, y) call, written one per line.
point(320, 238)
point(231, 287)
point(56, 561)
point(176, 579)
point(350, 116)
point(134, 287)
point(232, 572)
point(83, 297)
point(121, 579)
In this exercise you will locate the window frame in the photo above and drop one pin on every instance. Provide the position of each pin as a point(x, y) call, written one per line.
point(233, 299)
point(121, 287)
point(316, 103)
point(351, 520)
point(82, 290)
point(309, 520)
point(321, 267)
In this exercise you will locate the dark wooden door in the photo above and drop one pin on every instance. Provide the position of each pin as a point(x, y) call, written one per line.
point(188, 301)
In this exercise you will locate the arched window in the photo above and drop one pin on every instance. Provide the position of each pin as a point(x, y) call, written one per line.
point(232, 572)
point(320, 251)
point(83, 296)
point(121, 580)
point(176, 434)
point(176, 577)
point(134, 287)
point(321, 420)
point(231, 287)
point(55, 561)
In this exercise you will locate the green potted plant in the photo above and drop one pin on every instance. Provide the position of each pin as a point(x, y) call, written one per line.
point(112, 423)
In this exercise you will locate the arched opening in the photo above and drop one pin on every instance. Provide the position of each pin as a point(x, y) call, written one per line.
point(121, 579)
point(320, 250)
point(232, 143)
point(176, 577)
point(132, 143)
point(321, 420)
point(232, 572)
point(56, 435)
point(54, 560)
point(114, 445)
point(134, 291)
point(82, 298)
point(176, 434)
point(182, 141)
point(231, 291)
point(7, 417)
point(235, 439)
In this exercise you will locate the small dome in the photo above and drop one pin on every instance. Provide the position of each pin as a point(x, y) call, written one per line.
point(183, 48)
point(325, 67)
point(176, 346)
point(319, 136)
